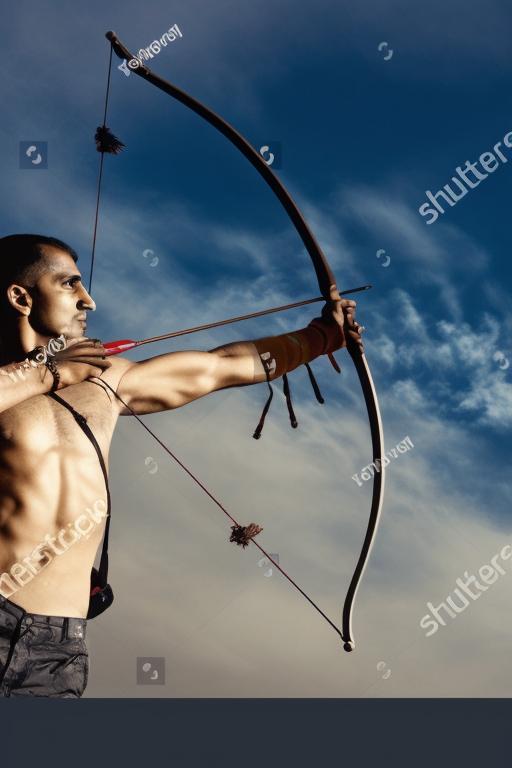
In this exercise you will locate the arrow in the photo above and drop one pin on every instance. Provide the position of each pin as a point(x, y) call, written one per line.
point(123, 345)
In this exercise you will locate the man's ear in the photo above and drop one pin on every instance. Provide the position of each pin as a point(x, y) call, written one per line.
point(19, 298)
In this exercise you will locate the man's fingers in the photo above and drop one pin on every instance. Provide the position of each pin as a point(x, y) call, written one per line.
point(83, 340)
point(74, 342)
point(89, 351)
point(343, 312)
point(88, 360)
point(92, 347)
point(333, 290)
point(334, 295)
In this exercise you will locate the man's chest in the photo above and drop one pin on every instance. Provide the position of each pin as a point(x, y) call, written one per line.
point(40, 423)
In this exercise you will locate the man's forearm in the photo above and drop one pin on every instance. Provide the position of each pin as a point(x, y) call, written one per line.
point(249, 368)
point(283, 353)
point(19, 381)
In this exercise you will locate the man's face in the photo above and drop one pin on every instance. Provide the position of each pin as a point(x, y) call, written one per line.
point(59, 300)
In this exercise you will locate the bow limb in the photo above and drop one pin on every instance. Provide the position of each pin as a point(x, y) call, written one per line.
point(377, 434)
point(323, 271)
point(325, 278)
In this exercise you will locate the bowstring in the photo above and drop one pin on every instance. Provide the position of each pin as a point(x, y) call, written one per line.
point(221, 507)
point(100, 174)
point(155, 437)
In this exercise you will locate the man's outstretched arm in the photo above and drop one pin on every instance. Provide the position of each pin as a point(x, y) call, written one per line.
point(172, 380)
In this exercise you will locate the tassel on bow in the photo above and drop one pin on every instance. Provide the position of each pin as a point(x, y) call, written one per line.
point(106, 142)
point(242, 534)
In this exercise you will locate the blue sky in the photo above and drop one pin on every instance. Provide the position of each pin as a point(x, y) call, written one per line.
point(363, 138)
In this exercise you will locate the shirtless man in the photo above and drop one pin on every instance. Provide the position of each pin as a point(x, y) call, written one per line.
point(53, 492)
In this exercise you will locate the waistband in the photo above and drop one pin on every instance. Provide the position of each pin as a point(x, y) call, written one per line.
point(70, 626)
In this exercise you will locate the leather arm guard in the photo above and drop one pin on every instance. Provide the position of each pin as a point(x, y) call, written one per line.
point(282, 354)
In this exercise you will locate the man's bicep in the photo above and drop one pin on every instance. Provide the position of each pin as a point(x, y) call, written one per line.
point(169, 381)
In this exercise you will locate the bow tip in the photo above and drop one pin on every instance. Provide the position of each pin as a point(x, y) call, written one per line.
point(348, 646)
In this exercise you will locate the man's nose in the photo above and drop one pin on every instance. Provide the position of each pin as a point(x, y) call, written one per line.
point(86, 300)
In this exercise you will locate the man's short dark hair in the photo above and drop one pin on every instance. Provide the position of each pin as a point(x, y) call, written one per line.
point(22, 260)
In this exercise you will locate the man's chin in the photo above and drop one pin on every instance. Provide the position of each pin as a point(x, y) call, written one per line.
point(73, 335)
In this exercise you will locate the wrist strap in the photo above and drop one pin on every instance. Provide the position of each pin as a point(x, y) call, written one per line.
point(286, 352)
point(52, 367)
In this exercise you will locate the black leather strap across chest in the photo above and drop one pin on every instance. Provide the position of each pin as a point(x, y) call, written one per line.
point(82, 422)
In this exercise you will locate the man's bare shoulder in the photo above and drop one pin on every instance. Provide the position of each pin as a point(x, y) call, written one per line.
point(112, 376)
point(118, 368)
